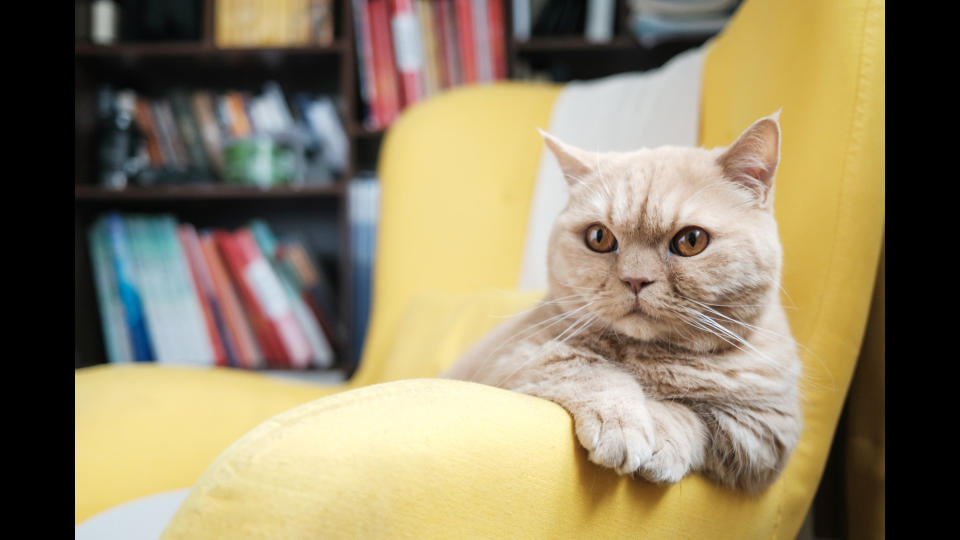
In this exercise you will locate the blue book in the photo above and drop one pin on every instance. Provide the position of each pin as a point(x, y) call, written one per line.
point(112, 318)
point(127, 289)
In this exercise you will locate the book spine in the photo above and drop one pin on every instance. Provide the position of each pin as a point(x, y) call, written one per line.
point(481, 40)
point(387, 92)
point(115, 333)
point(599, 20)
point(268, 290)
point(521, 19)
point(209, 130)
point(428, 43)
point(206, 297)
point(145, 121)
point(366, 64)
point(446, 29)
point(405, 29)
point(127, 287)
point(498, 36)
point(465, 40)
point(242, 334)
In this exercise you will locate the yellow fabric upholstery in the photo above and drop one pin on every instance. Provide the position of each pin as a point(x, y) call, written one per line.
point(433, 458)
point(145, 428)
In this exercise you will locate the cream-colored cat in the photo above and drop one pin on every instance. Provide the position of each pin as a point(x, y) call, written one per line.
point(662, 332)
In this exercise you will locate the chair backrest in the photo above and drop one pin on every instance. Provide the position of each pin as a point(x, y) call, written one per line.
point(457, 176)
point(822, 61)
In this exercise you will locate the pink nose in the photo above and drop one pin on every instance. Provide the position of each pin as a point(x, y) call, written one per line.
point(636, 283)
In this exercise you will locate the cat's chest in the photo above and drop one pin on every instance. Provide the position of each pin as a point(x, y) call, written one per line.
point(664, 372)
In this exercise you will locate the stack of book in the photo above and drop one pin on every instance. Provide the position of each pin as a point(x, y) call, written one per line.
point(253, 23)
point(410, 49)
point(240, 137)
point(170, 294)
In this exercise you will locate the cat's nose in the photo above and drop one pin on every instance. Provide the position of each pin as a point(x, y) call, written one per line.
point(636, 283)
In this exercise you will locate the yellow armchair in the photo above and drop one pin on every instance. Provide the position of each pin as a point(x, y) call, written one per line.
point(430, 458)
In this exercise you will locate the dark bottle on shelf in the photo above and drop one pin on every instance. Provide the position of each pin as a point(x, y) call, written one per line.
point(119, 141)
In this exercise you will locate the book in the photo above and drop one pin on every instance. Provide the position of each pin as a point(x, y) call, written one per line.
point(266, 303)
point(210, 135)
point(429, 47)
point(185, 316)
point(128, 287)
point(314, 287)
point(144, 118)
point(449, 44)
point(481, 40)
point(498, 37)
point(321, 22)
point(463, 12)
point(189, 131)
point(521, 20)
point(223, 349)
point(238, 327)
point(363, 208)
point(322, 352)
point(408, 50)
point(388, 92)
point(366, 71)
point(116, 335)
point(600, 20)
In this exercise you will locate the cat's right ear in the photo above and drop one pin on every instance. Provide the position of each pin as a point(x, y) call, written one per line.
point(573, 161)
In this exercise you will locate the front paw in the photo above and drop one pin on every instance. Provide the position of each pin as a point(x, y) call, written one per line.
point(621, 439)
point(668, 463)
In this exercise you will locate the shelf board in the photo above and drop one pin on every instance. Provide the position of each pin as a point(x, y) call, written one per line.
point(198, 48)
point(209, 192)
point(574, 43)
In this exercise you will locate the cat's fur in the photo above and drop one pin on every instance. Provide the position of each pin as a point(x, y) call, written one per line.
point(695, 372)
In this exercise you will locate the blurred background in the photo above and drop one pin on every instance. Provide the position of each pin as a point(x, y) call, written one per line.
point(212, 135)
point(226, 154)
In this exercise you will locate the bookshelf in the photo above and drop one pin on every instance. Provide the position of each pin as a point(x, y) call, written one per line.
point(318, 211)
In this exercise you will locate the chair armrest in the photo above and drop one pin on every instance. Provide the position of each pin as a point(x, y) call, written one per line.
point(431, 458)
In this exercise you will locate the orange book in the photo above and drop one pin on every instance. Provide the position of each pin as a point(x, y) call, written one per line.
point(239, 328)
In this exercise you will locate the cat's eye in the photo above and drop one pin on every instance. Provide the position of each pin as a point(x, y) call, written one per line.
point(689, 241)
point(600, 239)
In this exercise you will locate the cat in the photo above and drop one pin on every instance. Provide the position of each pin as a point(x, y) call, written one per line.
point(662, 332)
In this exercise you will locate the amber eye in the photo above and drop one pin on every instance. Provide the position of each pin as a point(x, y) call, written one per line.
point(689, 241)
point(600, 239)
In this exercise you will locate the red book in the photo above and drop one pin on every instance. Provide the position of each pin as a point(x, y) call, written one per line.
point(368, 78)
point(242, 335)
point(407, 47)
point(498, 46)
point(468, 59)
point(388, 94)
point(277, 327)
point(237, 262)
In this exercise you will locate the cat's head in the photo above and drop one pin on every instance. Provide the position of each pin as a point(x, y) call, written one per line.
point(655, 242)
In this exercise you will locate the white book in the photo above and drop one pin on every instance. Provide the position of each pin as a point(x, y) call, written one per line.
point(521, 20)
point(600, 20)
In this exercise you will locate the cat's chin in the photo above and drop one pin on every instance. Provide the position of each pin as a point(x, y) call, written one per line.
point(639, 325)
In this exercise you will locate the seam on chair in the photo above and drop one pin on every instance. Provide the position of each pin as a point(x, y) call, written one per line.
point(853, 147)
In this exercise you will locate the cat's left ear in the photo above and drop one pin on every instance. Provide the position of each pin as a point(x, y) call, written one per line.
point(752, 160)
point(574, 162)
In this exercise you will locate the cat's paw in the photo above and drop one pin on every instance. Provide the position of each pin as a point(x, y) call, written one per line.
point(667, 464)
point(621, 439)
